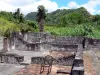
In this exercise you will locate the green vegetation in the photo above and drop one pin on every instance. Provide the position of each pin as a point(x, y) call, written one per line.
point(13, 22)
point(7, 27)
point(61, 15)
point(62, 22)
point(31, 16)
point(78, 30)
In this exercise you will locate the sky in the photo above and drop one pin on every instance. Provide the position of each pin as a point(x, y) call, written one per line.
point(26, 6)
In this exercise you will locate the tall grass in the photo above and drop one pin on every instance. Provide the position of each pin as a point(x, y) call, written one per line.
point(77, 30)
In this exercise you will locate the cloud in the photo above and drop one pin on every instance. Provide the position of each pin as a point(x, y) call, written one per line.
point(27, 6)
point(91, 6)
point(63, 7)
point(73, 4)
point(6, 7)
point(19, 2)
point(98, 12)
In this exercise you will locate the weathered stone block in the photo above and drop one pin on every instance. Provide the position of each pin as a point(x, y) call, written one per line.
point(78, 71)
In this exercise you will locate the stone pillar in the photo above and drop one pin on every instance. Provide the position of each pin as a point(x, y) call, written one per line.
point(5, 45)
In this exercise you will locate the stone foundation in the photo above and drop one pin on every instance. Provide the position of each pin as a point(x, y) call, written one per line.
point(59, 58)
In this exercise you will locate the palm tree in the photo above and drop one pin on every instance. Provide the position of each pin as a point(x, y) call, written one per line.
point(41, 17)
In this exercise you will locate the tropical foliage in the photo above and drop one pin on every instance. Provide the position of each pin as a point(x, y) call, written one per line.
point(7, 27)
point(14, 21)
point(62, 22)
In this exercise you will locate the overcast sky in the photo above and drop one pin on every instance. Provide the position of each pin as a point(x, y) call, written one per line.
point(26, 6)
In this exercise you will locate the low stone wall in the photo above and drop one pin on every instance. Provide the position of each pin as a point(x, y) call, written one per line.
point(10, 58)
point(68, 40)
point(65, 61)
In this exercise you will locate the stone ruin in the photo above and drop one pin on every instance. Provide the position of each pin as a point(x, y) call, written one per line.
point(45, 42)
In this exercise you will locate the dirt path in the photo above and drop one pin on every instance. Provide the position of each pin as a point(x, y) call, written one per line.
point(88, 65)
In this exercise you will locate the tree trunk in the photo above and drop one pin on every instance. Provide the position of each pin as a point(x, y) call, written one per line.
point(41, 25)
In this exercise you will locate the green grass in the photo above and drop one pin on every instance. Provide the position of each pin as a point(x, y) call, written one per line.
point(77, 30)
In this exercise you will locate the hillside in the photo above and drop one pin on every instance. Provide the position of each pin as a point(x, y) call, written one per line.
point(56, 16)
point(31, 16)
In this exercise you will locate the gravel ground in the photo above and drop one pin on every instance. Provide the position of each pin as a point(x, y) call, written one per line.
point(95, 59)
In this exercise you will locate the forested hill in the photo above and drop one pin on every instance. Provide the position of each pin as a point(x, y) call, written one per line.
point(64, 16)
point(31, 16)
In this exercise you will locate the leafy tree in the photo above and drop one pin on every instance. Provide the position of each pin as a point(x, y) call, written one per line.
point(32, 24)
point(41, 15)
point(7, 27)
point(18, 16)
point(6, 15)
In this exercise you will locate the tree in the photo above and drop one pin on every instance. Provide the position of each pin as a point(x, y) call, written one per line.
point(41, 15)
point(18, 16)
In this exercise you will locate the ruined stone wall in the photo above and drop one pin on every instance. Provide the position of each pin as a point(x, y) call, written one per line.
point(29, 41)
point(92, 44)
point(10, 58)
point(66, 43)
point(44, 41)
point(65, 61)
